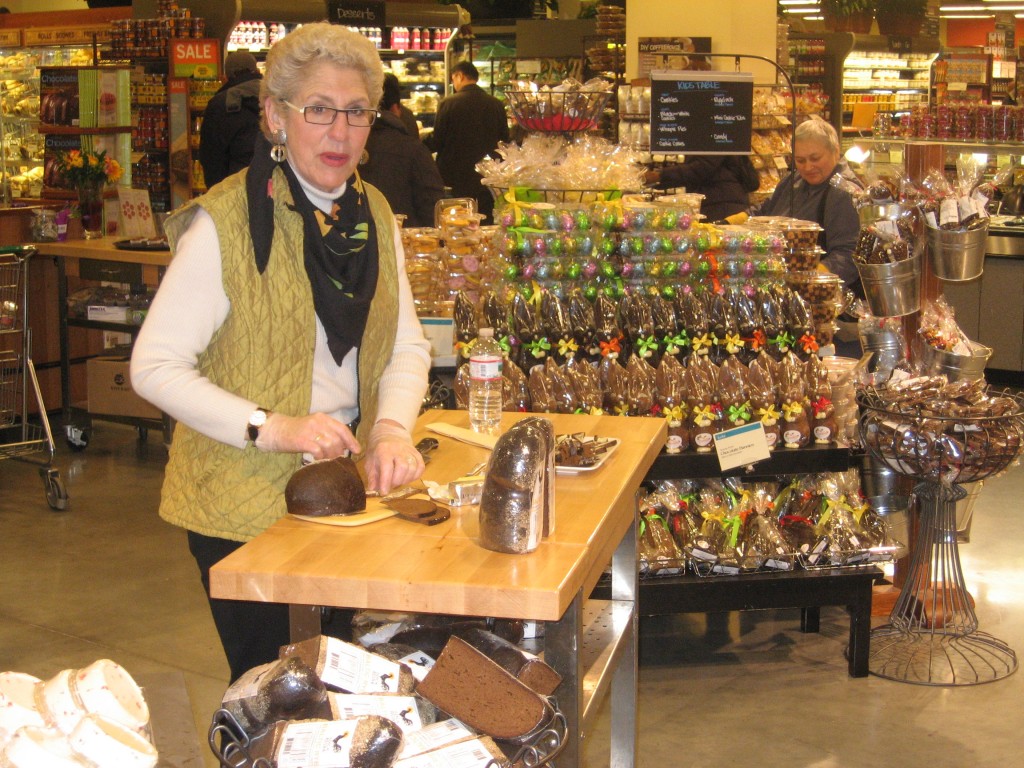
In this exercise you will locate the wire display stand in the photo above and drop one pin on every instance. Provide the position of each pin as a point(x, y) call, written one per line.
point(20, 438)
point(932, 636)
point(233, 748)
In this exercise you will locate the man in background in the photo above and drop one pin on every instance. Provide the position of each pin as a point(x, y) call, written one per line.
point(231, 121)
point(469, 125)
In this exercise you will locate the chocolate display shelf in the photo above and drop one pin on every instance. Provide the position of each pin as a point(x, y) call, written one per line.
point(849, 586)
point(795, 461)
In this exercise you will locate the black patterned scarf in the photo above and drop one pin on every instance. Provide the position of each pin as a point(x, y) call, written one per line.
point(340, 248)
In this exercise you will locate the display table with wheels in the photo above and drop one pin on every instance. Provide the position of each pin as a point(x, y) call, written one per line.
point(100, 260)
point(394, 565)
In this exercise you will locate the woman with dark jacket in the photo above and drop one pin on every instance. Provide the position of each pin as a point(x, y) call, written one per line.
point(724, 180)
point(401, 167)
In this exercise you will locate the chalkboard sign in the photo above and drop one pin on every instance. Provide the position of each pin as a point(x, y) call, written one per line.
point(701, 113)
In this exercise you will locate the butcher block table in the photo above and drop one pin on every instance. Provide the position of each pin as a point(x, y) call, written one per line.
point(395, 565)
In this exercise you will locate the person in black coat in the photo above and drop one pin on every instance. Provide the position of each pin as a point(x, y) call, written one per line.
point(724, 180)
point(469, 125)
point(231, 121)
point(400, 166)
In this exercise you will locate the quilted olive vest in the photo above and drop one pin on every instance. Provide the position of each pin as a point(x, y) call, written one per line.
point(264, 352)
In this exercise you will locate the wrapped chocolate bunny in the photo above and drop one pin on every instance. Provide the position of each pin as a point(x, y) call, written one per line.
point(762, 535)
point(515, 390)
point(607, 334)
point(763, 399)
point(669, 386)
point(638, 327)
point(657, 550)
point(586, 383)
point(614, 386)
point(796, 426)
point(533, 345)
point(581, 324)
point(562, 390)
point(823, 412)
point(733, 393)
point(554, 322)
point(542, 397)
point(466, 326)
point(705, 411)
point(640, 386)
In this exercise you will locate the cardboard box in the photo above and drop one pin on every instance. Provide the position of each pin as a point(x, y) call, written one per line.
point(440, 332)
point(109, 388)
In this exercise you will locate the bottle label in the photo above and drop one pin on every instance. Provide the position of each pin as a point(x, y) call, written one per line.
point(484, 368)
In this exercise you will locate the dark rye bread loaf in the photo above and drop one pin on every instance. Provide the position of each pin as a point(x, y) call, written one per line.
point(525, 667)
point(477, 691)
point(326, 488)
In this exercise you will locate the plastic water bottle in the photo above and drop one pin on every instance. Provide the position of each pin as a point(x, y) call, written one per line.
point(485, 362)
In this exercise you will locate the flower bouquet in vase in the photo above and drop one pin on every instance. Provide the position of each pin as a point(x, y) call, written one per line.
point(88, 172)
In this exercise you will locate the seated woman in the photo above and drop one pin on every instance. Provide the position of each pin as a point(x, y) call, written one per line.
point(807, 194)
point(724, 180)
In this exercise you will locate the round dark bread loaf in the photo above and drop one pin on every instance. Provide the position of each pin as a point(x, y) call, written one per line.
point(326, 488)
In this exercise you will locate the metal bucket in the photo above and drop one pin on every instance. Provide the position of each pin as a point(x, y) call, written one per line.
point(896, 511)
point(956, 367)
point(892, 290)
point(869, 214)
point(876, 338)
point(965, 511)
point(877, 479)
point(957, 256)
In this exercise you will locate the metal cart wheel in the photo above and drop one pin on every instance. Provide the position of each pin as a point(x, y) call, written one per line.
point(77, 437)
point(56, 493)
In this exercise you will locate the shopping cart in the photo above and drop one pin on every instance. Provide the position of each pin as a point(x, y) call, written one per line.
point(21, 438)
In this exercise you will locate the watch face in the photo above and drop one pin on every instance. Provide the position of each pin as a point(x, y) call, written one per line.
point(258, 418)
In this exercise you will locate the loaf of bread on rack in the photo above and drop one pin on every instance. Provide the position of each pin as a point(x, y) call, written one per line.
point(478, 692)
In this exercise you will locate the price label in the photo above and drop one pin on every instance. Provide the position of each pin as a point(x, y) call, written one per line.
point(740, 446)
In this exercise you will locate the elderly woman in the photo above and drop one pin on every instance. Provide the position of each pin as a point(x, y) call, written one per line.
point(284, 319)
point(807, 194)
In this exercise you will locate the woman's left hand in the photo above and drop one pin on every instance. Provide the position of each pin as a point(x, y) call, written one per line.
point(391, 458)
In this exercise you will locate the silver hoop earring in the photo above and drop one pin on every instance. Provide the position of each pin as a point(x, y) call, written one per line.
point(278, 152)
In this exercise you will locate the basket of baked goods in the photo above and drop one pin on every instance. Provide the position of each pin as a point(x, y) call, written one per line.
point(408, 691)
point(569, 107)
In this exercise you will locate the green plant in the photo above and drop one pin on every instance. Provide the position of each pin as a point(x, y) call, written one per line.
point(840, 8)
point(901, 7)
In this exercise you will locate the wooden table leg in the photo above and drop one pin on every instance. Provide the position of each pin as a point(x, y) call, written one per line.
point(304, 622)
point(860, 636)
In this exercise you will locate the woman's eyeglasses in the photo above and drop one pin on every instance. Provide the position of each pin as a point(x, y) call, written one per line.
point(357, 117)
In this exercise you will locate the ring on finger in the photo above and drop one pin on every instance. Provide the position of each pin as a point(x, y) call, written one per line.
point(317, 438)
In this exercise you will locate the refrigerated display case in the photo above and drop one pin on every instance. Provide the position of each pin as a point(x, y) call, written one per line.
point(21, 170)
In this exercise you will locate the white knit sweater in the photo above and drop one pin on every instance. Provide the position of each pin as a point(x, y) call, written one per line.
point(191, 305)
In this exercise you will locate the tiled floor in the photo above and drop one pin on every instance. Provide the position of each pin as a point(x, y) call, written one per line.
point(107, 578)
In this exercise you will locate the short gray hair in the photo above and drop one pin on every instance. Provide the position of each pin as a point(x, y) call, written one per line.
point(290, 58)
point(820, 131)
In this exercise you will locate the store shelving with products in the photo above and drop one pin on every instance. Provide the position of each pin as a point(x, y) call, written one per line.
point(20, 138)
point(891, 82)
point(962, 78)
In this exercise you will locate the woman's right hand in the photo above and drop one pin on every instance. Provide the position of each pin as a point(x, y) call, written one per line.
point(317, 434)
